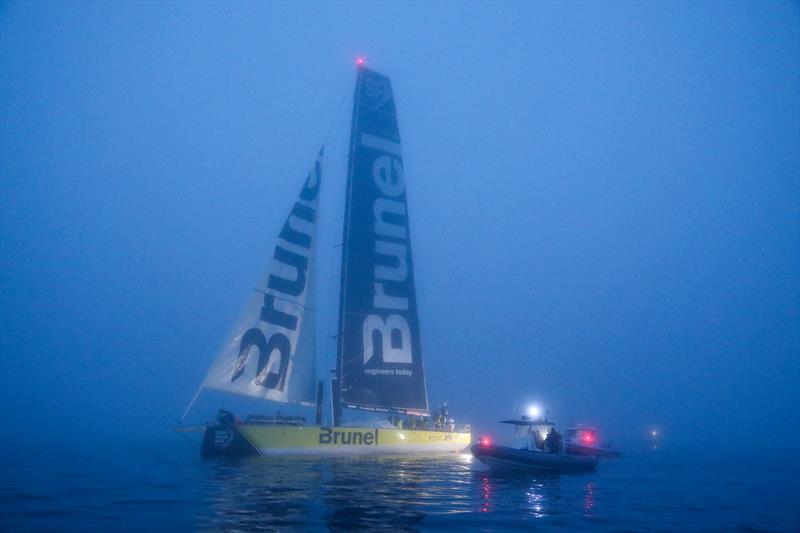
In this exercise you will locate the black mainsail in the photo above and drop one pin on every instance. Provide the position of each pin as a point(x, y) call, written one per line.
point(379, 362)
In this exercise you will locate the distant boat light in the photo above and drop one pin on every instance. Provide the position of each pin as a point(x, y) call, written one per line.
point(534, 411)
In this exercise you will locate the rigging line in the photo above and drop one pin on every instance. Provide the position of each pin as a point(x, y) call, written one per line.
point(331, 278)
point(334, 273)
point(429, 330)
point(331, 293)
point(191, 404)
point(336, 118)
point(324, 360)
point(443, 361)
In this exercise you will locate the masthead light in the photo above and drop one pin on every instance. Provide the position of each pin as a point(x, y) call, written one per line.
point(534, 411)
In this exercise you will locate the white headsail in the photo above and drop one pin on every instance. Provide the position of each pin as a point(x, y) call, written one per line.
point(270, 354)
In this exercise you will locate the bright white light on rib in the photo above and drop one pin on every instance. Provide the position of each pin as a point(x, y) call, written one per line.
point(403, 437)
point(534, 411)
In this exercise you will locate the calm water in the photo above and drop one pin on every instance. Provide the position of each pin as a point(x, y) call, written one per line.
point(169, 487)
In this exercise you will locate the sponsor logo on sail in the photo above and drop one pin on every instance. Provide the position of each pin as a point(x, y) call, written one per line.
point(390, 336)
point(275, 337)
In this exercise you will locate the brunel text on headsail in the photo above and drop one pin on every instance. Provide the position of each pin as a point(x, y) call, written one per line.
point(275, 336)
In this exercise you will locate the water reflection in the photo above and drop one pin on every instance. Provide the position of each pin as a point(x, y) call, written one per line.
point(486, 493)
point(588, 500)
point(375, 493)
point(396, 493)
point(370, 492)
point(260, 493)
point(537, 500)
point(536, 494)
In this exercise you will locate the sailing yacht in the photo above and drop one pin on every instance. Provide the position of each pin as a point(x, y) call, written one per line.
point(271, 352)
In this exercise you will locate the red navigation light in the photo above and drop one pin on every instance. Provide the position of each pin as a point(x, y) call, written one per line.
point(484, 441)
point(588, 437)
point(360, 61)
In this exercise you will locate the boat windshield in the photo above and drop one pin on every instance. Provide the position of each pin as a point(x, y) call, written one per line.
point(530, 436)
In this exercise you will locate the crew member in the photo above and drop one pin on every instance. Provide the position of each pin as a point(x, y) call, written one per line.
point(553, 441)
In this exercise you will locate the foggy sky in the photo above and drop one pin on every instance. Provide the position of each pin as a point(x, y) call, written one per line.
point(604, 203)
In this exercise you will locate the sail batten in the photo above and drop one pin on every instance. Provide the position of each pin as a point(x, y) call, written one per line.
point(270, 354)
point(379, 361)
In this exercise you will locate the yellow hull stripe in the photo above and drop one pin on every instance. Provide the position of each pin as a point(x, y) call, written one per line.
point(322, 440)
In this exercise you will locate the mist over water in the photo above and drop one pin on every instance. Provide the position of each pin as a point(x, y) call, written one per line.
point(604, 206)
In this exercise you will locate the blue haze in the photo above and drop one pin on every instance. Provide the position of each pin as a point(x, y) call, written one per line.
point(604, 199)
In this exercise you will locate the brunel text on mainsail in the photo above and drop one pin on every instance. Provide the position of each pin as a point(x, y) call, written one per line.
point(391, 246)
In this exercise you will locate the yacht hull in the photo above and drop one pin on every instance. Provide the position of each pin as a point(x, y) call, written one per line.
point(242, 440)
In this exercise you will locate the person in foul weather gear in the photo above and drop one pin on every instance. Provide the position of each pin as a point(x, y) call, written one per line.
point(556, 441)
point(552, 442)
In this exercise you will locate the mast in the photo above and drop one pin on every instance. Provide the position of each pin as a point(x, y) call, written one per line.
point(336, 382)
